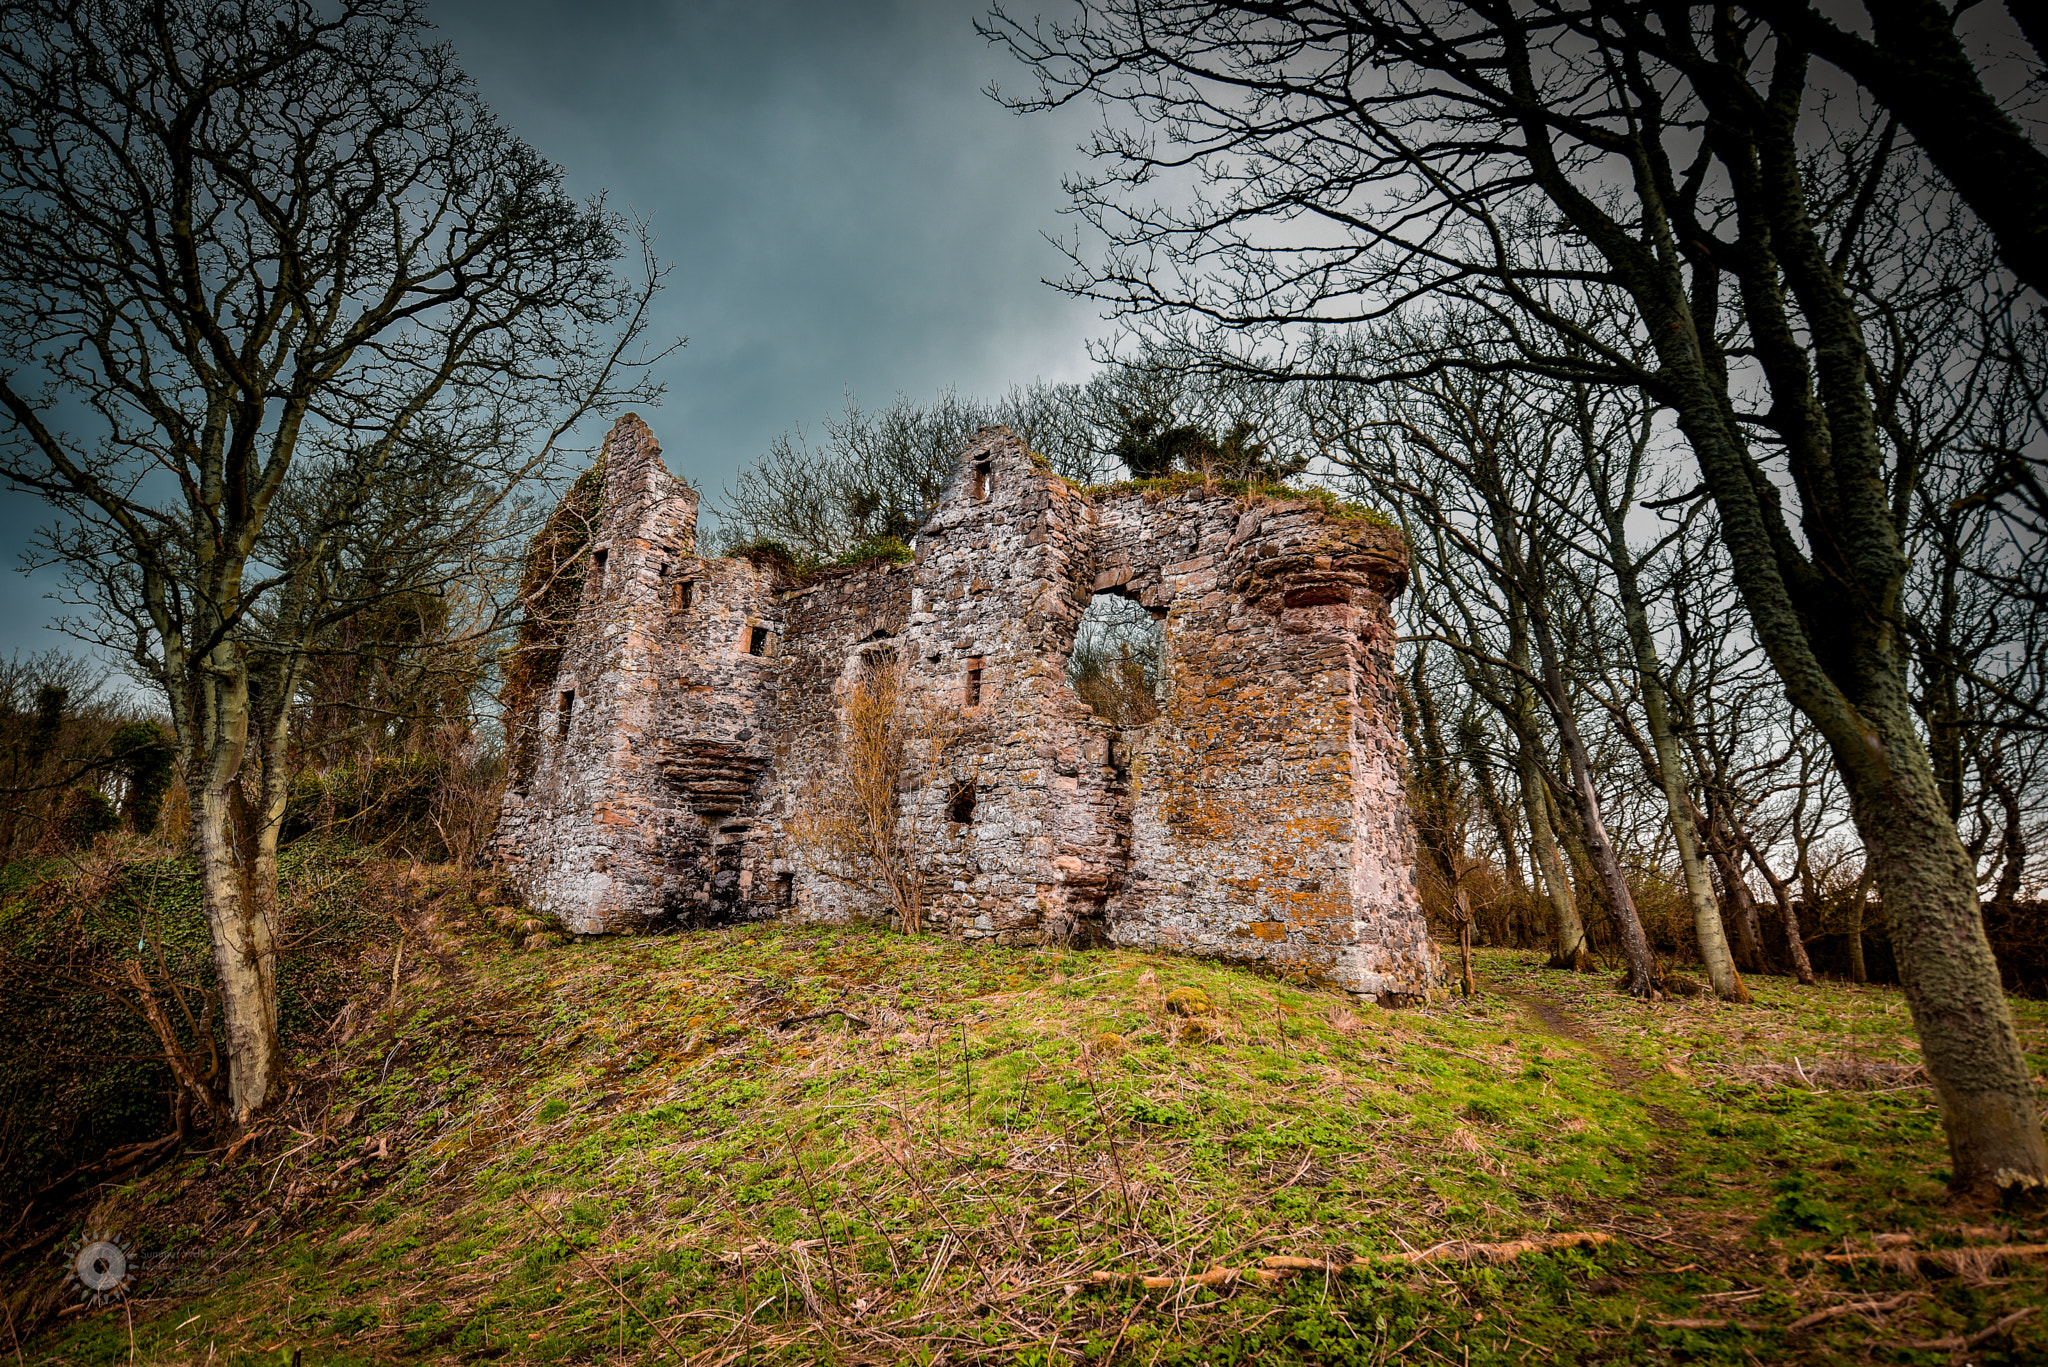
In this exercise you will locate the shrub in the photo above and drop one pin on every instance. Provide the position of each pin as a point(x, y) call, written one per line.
point(889, 548)
point(82, 814)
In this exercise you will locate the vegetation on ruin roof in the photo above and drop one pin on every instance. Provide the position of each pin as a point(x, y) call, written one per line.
point(800, 1143)
point(1332, 504)
point(766, 551)
point(889, 549)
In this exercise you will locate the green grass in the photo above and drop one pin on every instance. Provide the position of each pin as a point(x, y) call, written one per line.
point(610, 1151)
point(1332, 504)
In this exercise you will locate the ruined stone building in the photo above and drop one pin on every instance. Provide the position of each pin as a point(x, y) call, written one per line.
point(700, 708)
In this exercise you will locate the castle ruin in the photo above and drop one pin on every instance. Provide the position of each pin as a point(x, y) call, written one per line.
point(700, 709)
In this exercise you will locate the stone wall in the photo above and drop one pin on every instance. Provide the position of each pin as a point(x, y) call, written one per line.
point(1261, 815)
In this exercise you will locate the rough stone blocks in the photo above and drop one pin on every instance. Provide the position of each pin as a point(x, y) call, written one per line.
point(700, 726)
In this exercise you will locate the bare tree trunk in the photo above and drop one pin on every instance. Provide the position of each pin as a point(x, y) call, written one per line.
point(1635, 946)
point(1749, 938)
point(263, 821)
point(2012, 843)
point(1857, 971)
point(1706, 915)
point(242, 942)
point(1465, 942)
point(1795, 943)
point(1496, 812)
point(1568, 948)
point(1928, 889)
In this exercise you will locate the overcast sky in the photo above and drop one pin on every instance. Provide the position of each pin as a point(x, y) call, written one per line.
point(842, 207)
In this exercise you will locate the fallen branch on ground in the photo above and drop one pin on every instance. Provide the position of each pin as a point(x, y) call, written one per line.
point(1854, 1308)
point(1280, 1266)
point(1961, 1343)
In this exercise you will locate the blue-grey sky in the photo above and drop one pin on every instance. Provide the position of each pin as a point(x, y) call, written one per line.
point(841, 205)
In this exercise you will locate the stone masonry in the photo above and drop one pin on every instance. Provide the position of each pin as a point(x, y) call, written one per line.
point(700, 705)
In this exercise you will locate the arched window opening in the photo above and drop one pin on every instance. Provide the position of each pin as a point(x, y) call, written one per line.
point(1118, 658)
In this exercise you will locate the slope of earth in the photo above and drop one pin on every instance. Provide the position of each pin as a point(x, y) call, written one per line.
point(798, 1144)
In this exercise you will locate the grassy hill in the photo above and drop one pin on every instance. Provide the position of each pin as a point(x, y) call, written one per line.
point(798, 1144)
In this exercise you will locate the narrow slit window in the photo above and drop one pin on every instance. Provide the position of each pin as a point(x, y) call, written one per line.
point(982, 481)
point(684, 592)
point(973, 689)
point(597, 560)
point(566, 710)
point(757, 641)
point(960, 804)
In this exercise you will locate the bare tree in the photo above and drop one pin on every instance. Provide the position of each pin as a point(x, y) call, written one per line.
point(876, 475)
point(307, 292)
point(1548, 162)
point(1471, 458)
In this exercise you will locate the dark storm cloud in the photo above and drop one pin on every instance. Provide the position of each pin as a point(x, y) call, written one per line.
point(840, 204)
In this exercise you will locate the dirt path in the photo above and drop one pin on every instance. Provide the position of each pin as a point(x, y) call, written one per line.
point(1627, 1077)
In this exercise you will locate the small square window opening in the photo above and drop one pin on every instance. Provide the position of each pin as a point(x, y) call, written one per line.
point(960, 804)
point(757, 641)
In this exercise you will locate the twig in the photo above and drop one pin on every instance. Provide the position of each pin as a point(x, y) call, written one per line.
point(851, 1019)
point(397, 961)
point(1280, 1266)
point(563, 1235)
point(1123, 1185)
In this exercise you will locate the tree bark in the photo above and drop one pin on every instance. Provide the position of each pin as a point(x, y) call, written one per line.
point(243, 946)
point(1928, 889)
point(1568, 948)
point(1470, 985)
